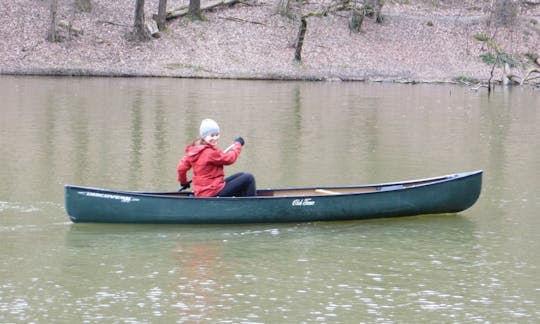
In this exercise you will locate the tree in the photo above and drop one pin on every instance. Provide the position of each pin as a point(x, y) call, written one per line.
point(355, 23)
point(52, 35)
point(358, 8)
point(497, 57)
point(195, 9)
point(361, 9)
point(140, 32)
point(300, 39)
point(84, 5)
point(504, 12)
point(375, 6)
point(283, 8)
point(162, 14)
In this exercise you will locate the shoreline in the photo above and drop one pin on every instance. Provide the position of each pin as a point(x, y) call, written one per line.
point(251, 42)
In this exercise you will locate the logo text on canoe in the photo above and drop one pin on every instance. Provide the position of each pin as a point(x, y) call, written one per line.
point(303, 202)
point(124, 199)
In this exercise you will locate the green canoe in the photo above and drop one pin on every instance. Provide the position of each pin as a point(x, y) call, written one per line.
point(445, 194)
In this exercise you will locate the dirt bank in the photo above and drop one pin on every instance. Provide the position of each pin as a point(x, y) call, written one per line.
point(415, 43)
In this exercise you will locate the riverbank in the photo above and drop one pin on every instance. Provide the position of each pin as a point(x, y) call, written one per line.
point(415, 43)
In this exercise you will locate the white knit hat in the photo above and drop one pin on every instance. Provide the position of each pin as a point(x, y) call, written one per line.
point(208, 126)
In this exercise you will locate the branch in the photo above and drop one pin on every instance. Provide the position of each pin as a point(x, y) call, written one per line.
point(478, 86)
point(526, 78)
point(241, 20)
point(105, 22)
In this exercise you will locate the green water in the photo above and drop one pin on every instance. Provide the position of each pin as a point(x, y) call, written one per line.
point(481, 265)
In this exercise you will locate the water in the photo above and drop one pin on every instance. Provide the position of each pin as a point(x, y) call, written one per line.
point(477, 266)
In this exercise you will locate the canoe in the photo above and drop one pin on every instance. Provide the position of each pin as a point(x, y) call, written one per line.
point(445, 194)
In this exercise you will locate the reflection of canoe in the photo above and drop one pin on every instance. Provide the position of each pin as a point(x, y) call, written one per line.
point(445, 194)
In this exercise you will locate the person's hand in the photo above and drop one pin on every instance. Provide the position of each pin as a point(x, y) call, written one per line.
point(184, 186)
point(240, 140)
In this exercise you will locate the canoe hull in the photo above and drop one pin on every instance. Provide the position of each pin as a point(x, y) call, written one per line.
point(450, 194)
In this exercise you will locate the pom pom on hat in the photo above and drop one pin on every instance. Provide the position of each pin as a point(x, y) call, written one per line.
point(208, 126)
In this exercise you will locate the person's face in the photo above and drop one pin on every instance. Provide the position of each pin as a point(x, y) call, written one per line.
point(212, 139)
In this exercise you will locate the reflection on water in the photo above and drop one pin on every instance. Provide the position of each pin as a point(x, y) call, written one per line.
point(480, 265)
point(316, 271)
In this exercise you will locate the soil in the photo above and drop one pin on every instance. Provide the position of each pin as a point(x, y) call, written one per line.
point(417, 41)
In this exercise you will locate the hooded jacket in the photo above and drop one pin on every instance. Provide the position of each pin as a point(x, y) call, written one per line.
point(207, 162)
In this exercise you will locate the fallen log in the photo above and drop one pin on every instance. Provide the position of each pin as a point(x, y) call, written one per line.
point(241, 20)
point(175, 13)
point(528, 75)
point(182, 11)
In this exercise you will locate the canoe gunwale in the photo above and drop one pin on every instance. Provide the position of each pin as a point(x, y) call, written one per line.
point(377, 188)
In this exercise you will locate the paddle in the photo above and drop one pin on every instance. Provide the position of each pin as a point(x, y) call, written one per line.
point(186, 185)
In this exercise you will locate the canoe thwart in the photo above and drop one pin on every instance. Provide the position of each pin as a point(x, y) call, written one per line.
point(327, 192)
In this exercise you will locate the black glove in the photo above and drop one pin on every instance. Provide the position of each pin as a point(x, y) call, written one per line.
point(184, 186)
point(240, 140)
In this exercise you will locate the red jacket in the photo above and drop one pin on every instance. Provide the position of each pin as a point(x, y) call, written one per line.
point(207, 162)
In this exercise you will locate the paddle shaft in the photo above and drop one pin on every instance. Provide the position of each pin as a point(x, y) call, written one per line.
point(229, 148)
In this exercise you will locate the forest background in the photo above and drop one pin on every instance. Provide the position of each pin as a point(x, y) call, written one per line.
point(409, 41)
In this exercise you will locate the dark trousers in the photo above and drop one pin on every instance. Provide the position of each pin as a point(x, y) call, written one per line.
point(239, 185)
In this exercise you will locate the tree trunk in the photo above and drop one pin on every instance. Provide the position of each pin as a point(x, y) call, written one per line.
point(377, 8)
point(505, 12)
point(283, 8)
point(162, 14)
point(195, 9)
point(507, 75)
point(300, 39)
point(356, 21)
point(84, 5)
point(140, 32)
point(52, 35)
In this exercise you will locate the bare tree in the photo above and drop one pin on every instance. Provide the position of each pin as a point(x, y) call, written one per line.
point(300, 39)
point(504, 12)
point(358, 8)
point(361, 9)
point(195, 9)
point(375, 6)
point(162, 14)
point(283, 7)
point(357, 17)
point(140, 32)
point(52, 35)
point(84, 5)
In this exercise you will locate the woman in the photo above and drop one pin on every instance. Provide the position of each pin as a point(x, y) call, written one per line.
point(207, 161)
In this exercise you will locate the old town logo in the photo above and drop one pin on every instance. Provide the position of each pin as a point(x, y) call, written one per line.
point(303, 202)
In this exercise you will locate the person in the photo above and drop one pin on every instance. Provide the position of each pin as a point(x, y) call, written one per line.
point(208, 161)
